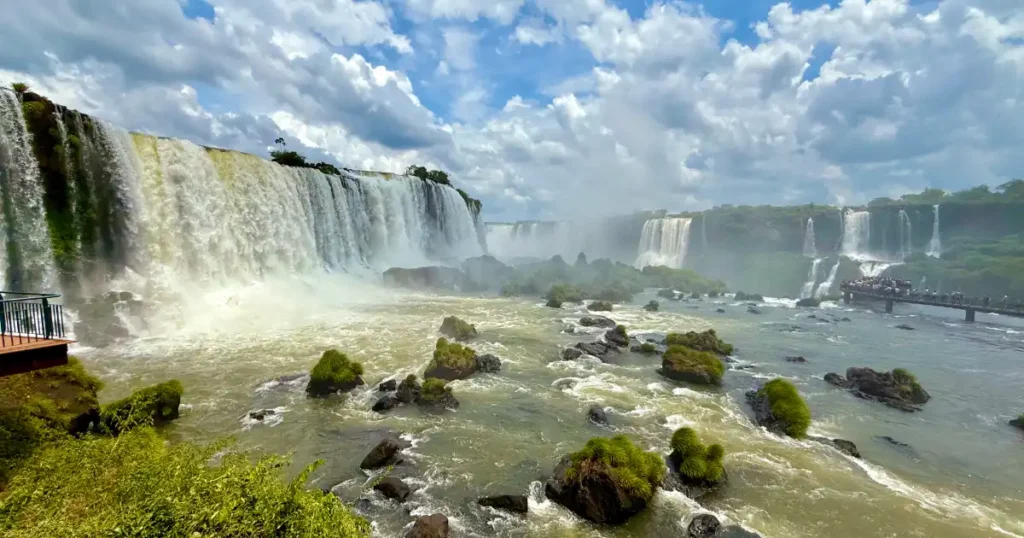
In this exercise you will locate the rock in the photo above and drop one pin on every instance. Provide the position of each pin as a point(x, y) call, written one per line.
point(436, 395)
point(569, 329)
point(845, 319)
point(488, 364)
point(571, 353)
point(681, 363)
point(432, 526)
point(516, 504)
point(740, 296)
point(451, 361)
point(597, 415)
point(842, 445)
point(594, 496)
point(809, 302)
point(597, 321)
point(720, 310)
point(897, 389)
point(753, 310)
point(261, 414)
point(388, 386)
point(601, 350)
point(703, 526)
point(904, 327)
point(458, 329)
point(486, 273)
point(835, 379)
point(393, 488)
point(562, 384)
point(764, 415)
point(1018, 422)
point(652, 306)
point(408, 390)
point(676, 481)
point(386, 402)
point(432, 277)
point(800, 360)
point(894, 442)
point(385, 453)
point(600, 306)
point(617, 336)
point(554, 302)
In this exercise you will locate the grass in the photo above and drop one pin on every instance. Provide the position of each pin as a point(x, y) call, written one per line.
point(334, 369)
point(434, 390)
point(697, 461)
point(149, 406)
point(457, 328)
point(686, 359)
point(452, 355)
point(632, 469)
point(908, 384)
point(705, 341)
point(139, 485)
point(788, 406)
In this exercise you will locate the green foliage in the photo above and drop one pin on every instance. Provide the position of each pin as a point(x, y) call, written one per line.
point(139, 485)
point(696, 461)
point(976, 267)
point(19, 87)
point(787, 405)
point(327, 168)
point(705, 341)
point(684, 359)
point(554, 303)
point(621, 331)
point(289, 158)
point(410, 379)
point(648, 348)
point(616, 292)
point(434, 390)
point(457, 328)
point(907, 383)
point(149, 406)
point(632, 469)
point(332, 372)
point(473, 204)
point(437, 176)
point(452, 355)
point(565, 293)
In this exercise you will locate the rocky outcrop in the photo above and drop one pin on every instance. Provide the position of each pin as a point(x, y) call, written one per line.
point(408, 390)
point(516, 504)
point(617, 336)
point(904, 327)
point(1018, 422)
point(600, 306)
point(753, 310)
point(595, 496)
point(386, 402)
point(652, 306)
point(432, 526)
point(387, 452)
point(454, 327)
point(451, 361)
point(779, 408)
point(756, 297)
point(601, 350)
point(897, 389)
point(809, 302)
point(431, 277)
point(388, 386)
point(708, 526)
point(597, 415)
point(554, 302)
point(691, 366)
point(597, 321)
point(436, 395)
point(334, 373)
point(799, 360)
point(571, 353)
point(488, 364)
point(486, 273)
point(393, 488)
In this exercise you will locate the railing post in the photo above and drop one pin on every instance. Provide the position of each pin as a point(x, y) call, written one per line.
point(47, 319)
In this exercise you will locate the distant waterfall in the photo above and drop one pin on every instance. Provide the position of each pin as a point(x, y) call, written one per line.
point(935, 246)
point(906, 235)
point(703, 234)
point(825, 286)
point(664, 242)
point(812, 279)
point(810, 250)
point(857, 235)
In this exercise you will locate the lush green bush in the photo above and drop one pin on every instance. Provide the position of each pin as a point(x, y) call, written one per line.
point(787, 405)
point(632, 469)
point(434, 390)
point(686, 360)
point(565, 293)
point(457, 328)
point(333, 372)
point(696, 461)
point(149, 406)
point(139, 485)
point(705, 341)
point(452, 355)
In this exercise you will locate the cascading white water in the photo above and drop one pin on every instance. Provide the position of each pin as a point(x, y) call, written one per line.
point(825, 286)
point(810, 249)
point(664, 242)
point(857, 235)
point(935, 246)
point(534, 239)
point(812, 278)
point(906, 235)
point(703, 233)
point(27, 258)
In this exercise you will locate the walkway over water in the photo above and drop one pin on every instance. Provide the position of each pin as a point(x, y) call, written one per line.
point(31, 332)
point(971, 306)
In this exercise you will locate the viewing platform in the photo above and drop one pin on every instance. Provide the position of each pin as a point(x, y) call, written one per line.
point(971, 306)
point(32, 334)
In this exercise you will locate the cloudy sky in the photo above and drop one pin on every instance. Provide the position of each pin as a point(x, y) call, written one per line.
point(562, 108)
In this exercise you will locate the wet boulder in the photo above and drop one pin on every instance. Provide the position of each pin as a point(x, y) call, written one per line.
point(617, 336)
point(703, 526)
point(387, 452)
point(601, 350)
point(597, 415)
point(393, 488)
point(388, 386)
point(454, 327)
point(652, 306)
point(720, 310)
point(904, 327)
point(898, 389)
point(334, 373)
point(691, 366)
point(597, 321)
point(554, 302)
point(1018, 422)
point(842, 445)
point(600, 306)
point(799, 360)
point(836, 380)
point(386, 402)
point(517, 504)
point(809, 303)
point(451, 361)
point(779, 408)
point(408, 390)
point(753, 310)
point(571, 353)
point(436, 395)
point(261, 414)
point(488, 364)
point(432, 526)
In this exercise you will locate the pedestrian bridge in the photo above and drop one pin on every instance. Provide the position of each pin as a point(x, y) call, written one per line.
point(971, 306)
point(32, 332)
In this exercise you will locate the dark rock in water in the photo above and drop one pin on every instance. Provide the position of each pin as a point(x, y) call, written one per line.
point(596, 496)
point(510, 503)
point(652, 306)
point(488, 364)
point(742, 367)
point(740, 296)
point(796, 359)
point(703, 526)
point(1018, 422)
point(554, 302)
point(432, 526)
point(617, 336)
point(897, 389)
point(842, 445)
point(694, 489)
point(812, 316)
point(905, 327)
point(835, 379)
point(601, 350)
point(596, 321)
point(432, 277)
point(809, 302)
point(597, 415)
point(385, 403)
point(569, 329)
point(753, 310)
point(261, 414)
point(408, 390)
point(563, 384)
point(600, 306)
point(457, 329)
point(363, 505)
point(845, 319)
point(388, 386)
point(393, 488)
point(893, 442)
point(720, 310)
point(571, 353)
point(385, 453)
point(763, 414)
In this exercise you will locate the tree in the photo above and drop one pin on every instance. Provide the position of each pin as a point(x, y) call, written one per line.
point(19, 87)
point(1013, 189)
point(280, 141)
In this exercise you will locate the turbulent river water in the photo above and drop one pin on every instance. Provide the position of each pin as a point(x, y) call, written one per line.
point(957, 475)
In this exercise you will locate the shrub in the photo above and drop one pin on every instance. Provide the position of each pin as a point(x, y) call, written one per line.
point(452, 355)
point(666, 293)
point(787, 405)
point(434, 390)
point(19, 87)
point(554, 303)
point(565, 293)
point(631, 468)
point(139, 485)
point(705, 341)
point(149, 406)
point(696, 461)
point(690, 361)
point(648, 348)
point(333, 372)
point(289, 158)
point(457, 328)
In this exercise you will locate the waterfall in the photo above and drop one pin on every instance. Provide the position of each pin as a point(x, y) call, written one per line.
point(812, 279)
point(664, 242)
point(534, 240)
point(906, 235)
point(810, 250)
point(703, 233)
point(168, 214)
point(826, 286)
point(27, 259)
point(935, 246)
point(857, 235)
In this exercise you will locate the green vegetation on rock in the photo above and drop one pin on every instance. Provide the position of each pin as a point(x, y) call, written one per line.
point(696, 461)
point(149, 406)
point(632, 469)
point(788, 406)
point(452, 355)
point(139, 485)
point(457, 328)
point(554, 303)
point(334, 372)
point(565, 293)
point(704, 341)
point(648, 348)
point(19, 87)
point(908, 385)
point(687, 364)
point(600, 306)
point(434, 391)
point(652, 306)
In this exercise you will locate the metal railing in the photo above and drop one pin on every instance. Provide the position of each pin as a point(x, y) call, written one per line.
point(29, 317)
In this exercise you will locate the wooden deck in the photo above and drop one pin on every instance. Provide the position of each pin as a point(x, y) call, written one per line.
point(18, 358)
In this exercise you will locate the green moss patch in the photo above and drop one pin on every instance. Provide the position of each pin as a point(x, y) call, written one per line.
point(908, 385)
point(695, 460)
point(452, 355)
point(149, 406)
point(434, 391)
point(704, 341)
point(458, 329)
point(334, 372)
point(632, 469)
point(692, 365)
point(788, 406)
point(648, 348)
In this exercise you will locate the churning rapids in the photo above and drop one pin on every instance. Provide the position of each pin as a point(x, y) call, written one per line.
point(957, 476)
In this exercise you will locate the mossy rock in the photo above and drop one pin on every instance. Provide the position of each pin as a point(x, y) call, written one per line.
point(1018, 422)
point(565, 293)
point(451, 361)
point(437, 394)
point(779, 407)
point(609, 481)
point(703, 341)
point(334, 373)
point(154, 405)
point(697, 468)
point(692, 366)
point(909, 386)
point(458, 329)
point(617, 336)
point(652, 306)
point(647, 348)
point(740, 296)
point(554, 303)
point(600, 306)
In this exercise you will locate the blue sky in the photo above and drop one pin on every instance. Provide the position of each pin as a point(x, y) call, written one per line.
point(563, 108)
